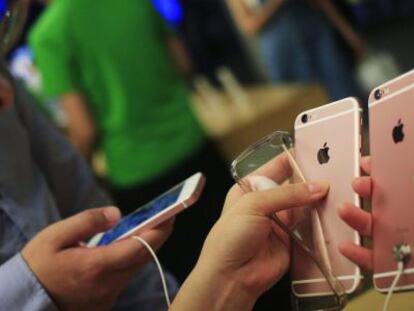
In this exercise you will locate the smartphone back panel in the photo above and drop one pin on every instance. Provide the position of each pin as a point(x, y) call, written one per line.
point(327, 147)
point(392, 154)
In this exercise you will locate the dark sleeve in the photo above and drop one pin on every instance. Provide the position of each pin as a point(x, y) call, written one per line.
point(67, 174)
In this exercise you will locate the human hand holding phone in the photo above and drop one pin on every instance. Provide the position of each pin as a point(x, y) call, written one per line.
point(81, 278)
point(155, 212)
point(246, 252)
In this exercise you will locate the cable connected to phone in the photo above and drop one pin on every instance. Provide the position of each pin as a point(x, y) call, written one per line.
point(402, 253)
point(160, 270)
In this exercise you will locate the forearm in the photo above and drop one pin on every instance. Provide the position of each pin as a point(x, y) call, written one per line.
point(204, 290)
point(252, 21)
point(81, 127)
point(337, 19)
point(180, 55)
point(267, 11)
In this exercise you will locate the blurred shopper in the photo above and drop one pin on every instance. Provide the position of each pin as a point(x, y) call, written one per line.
point(117, 71)
point(297, 41)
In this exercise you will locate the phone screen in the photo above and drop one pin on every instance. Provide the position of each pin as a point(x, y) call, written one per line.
point(141, 215)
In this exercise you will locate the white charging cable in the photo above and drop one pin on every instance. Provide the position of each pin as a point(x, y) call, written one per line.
point(402, 253)
point(154, 256)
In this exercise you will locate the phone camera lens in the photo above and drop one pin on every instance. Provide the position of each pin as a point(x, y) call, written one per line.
point(305, 118)
point(378, 94)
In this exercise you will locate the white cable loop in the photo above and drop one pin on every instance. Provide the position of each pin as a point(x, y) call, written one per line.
point(157, 262)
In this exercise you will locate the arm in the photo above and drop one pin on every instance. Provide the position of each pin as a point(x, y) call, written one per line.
point(81, 127)
point(214, 293)
point(249, 21)
point(180, 55)
point(340, 23)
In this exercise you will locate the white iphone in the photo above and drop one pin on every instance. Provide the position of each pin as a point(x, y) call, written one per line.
point(155, 212)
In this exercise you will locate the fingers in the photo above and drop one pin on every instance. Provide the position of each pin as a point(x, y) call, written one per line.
point(77, 228)
point(128, 253)
point(159, 235)
point(285, 197)
point(362, 222)
point(363, 186)
point(356, 218)
point(359, 255)
point(366, 164)
point(120, 255)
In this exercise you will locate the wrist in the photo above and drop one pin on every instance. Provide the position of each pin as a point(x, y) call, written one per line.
point(211, 290)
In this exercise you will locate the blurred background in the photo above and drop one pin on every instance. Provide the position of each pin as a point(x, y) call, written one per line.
point(146, 89)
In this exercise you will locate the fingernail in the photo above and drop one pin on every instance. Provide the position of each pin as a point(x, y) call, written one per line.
point(318, 187)
point(112, 214)
point(340, 208)
point(261, 183)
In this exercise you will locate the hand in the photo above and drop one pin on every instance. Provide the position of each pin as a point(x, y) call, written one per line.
point(359, 220)
point(246, 253)
point(81, 278)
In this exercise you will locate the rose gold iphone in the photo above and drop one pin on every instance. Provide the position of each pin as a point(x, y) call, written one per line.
point(392, 154)
point(327, 147)
point(390, 87)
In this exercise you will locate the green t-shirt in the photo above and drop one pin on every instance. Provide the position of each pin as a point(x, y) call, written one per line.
point(114, 52)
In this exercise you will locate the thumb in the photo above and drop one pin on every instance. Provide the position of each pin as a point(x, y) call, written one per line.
point(81, 226)
point(268, 202)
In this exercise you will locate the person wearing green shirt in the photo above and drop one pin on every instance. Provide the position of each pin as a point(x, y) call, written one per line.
point(118, 72)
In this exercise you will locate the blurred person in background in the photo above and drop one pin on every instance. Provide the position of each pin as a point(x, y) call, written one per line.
point(118, 72)
point(297, 42)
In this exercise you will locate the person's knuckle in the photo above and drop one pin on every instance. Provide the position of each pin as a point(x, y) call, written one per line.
point(92, 217)
point(296, 194)
point(251, 199)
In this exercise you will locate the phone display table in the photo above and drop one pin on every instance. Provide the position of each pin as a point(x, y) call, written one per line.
point(237, 119)
point(372, 300)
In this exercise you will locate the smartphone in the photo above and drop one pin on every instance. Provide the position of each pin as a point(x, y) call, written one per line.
point(392, 170)
point(155, 212)
point(327, 147)
point(392, 86)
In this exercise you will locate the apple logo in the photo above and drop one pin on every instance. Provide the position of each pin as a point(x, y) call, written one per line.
point(323, 154)
point(397, 132)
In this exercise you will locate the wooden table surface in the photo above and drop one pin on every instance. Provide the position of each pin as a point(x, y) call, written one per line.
point(266, 109)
